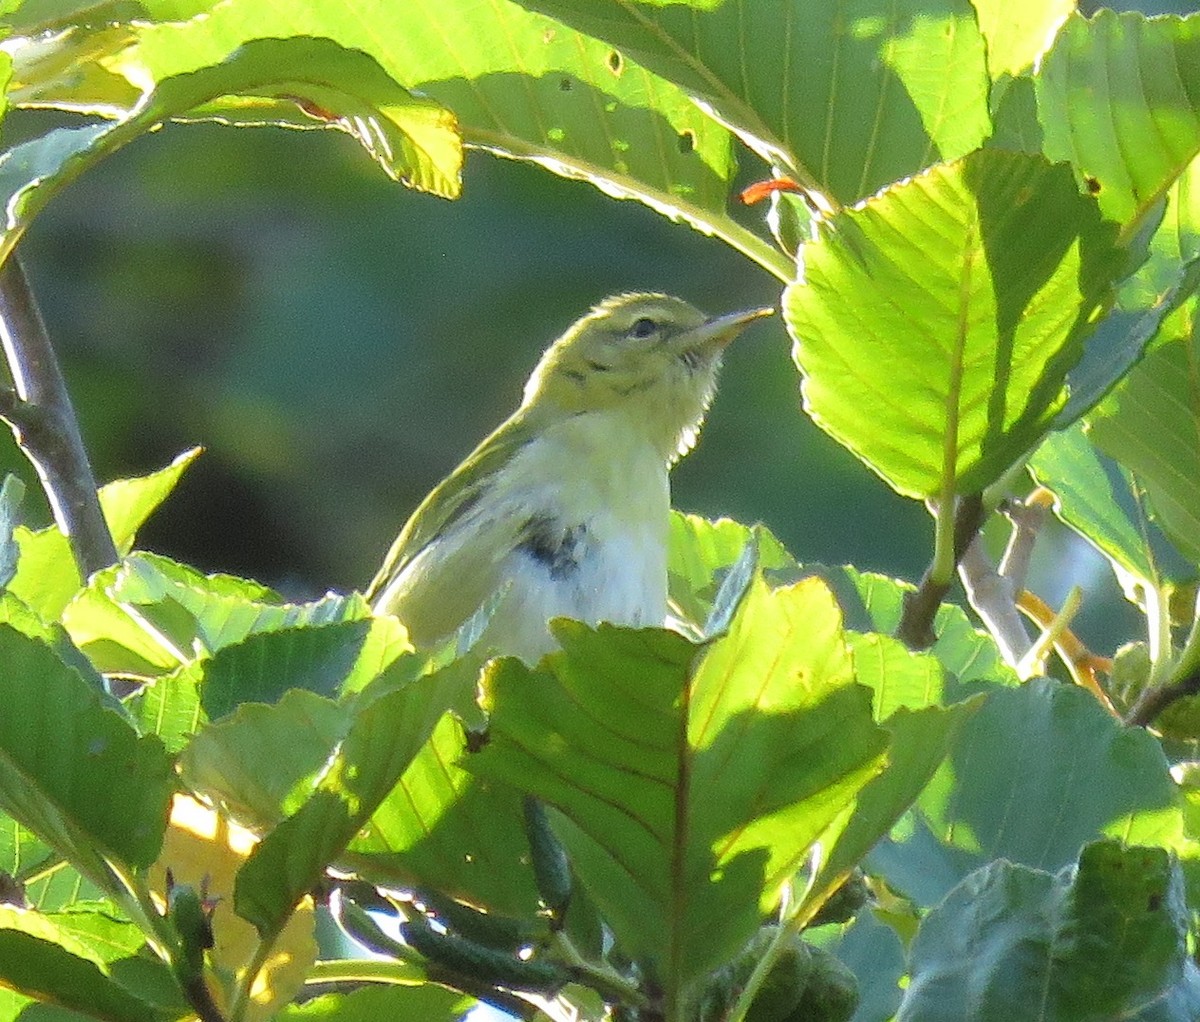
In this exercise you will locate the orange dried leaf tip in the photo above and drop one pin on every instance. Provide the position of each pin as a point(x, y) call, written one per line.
point(761, 189)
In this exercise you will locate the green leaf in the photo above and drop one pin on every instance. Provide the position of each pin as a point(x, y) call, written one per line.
point(1018, 33)
point(1086, 500)
point(387, 732)
point(188, 615)
point(1035, 773)
point(689, 782)
point(1149, 424)
point(49, 883)
point(425, 1002)
point(170, 707)
point(34, 961)
point(414, 139)
point(63, 63)
point(974, 286)
point(701, 553)
point(255, 758)
point(1147, 301)
point(521, 85)
point(74, 773)
point(897, 86)
point(264, 666)
point(1105, 940)
point(920, 740)
point(1119, 342)
point(875, 602)
point(46, 574)
point(1116, 97)
point(445, 829)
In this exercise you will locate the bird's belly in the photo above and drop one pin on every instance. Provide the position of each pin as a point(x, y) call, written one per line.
point(608, 572)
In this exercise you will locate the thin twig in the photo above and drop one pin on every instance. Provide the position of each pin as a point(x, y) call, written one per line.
point(992, 597)
point(44, 424)
point(1083, 665)
point(1028, 517)
point(921, 606)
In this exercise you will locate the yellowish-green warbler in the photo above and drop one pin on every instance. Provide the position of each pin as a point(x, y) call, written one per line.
point(564, 510)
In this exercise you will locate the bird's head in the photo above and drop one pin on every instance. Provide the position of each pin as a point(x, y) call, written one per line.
point(652, 357)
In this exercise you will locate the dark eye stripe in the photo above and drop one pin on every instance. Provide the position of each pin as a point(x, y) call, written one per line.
point(598, 367)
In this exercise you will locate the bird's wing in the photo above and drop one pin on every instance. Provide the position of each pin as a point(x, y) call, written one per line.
point(445, 562)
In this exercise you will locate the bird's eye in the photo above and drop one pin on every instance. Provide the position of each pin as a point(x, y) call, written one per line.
point(643, 328)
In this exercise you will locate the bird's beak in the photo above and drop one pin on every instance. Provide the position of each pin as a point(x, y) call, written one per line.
point(717, 333)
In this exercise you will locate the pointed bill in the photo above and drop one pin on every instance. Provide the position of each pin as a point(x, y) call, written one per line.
point(718, 333)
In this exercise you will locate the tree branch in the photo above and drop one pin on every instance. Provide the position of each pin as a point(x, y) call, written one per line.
point(44, 424)
point(992, 596)
point(1154, 700)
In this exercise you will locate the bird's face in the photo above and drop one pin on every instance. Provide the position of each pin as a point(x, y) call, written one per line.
point(651, 357)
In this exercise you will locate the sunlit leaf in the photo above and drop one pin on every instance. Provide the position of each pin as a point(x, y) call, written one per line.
point(74, 773)
point(46, 575)
point(689, 782)
point(848, 99)
point(974, 286)
point(1116, 97)
point(387, 731)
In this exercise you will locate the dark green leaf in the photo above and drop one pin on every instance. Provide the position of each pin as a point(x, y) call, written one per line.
point(263, 666)
point(1086, 500)
point(1104, 941)
point(35, 962)
point(1035, 773)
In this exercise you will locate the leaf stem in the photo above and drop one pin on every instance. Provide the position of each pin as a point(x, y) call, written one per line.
point(955, 530)
point(1184, 680)
point(42, 419)
point(604, 979)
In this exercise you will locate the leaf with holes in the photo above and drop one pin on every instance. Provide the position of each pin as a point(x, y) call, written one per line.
point(1116, 98)
point(846, 100)
point(520, 84)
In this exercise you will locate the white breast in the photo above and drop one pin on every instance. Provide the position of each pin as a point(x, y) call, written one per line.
point(610, 495)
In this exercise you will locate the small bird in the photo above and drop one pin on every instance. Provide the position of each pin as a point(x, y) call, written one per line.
point(564, 511)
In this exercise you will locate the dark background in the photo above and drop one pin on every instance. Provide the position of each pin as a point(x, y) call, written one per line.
point(338, 343)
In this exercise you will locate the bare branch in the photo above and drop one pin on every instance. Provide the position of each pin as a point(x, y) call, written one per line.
point(44, 424)
point(993, 599)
